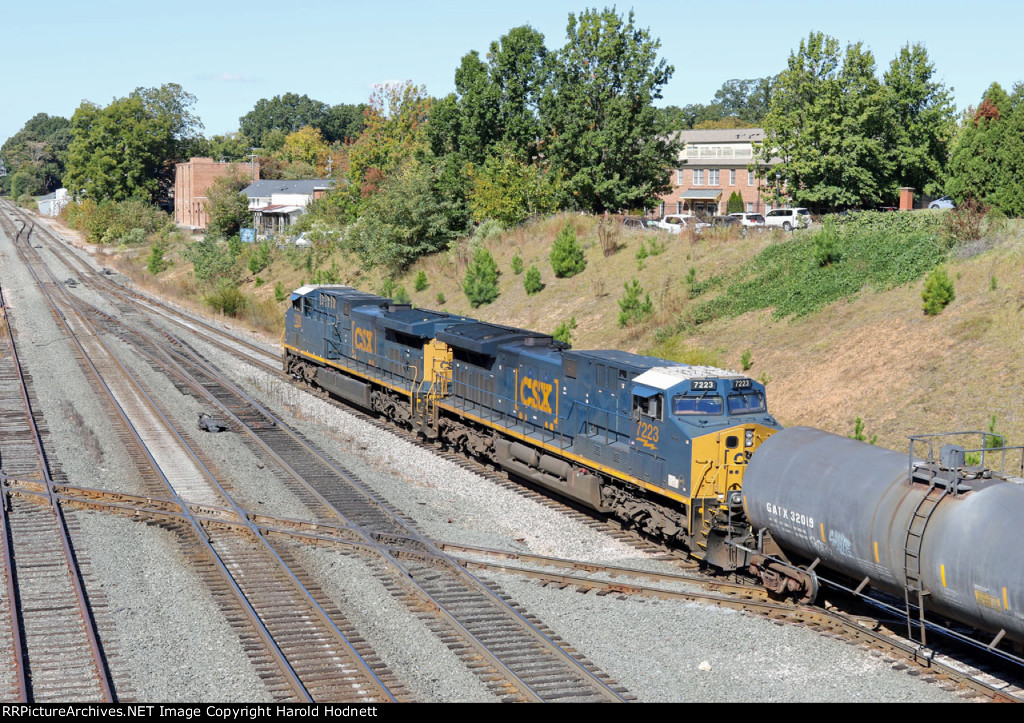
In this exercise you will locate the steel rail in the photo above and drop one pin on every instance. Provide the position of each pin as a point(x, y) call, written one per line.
point(102, 670)
point(409, 575)
point(281, 566)
point(200, 533)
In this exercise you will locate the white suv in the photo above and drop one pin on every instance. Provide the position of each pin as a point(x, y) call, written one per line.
point(676, 222)
point(752, 220)
point(788, 218)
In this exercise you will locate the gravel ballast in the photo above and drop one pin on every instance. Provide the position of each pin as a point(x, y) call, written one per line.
point(658, 650)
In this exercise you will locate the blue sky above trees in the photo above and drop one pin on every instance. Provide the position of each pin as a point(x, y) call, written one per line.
point(229, 55)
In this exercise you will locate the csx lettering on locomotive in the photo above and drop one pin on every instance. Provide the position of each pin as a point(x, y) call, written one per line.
point(364, 340)
point(535, 394)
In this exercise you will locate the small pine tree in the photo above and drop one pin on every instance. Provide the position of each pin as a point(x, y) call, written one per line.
point(532, 282)
point(157, 263)
point(564, 331)
point(735, 204)
point(938, 292)
point(440, 298)
point(630, 306)
point(280, 293)
point(421, 281)
point(481, 281)
point(517, 264)
point(746, 360)
point(567, 254)
point(401, 296)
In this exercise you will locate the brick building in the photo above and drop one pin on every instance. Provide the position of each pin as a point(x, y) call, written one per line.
point(192, 180)
point(712, 165)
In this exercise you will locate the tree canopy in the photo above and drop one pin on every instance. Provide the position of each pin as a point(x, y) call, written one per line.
point(848, 140)
point(289, 112)
point(987, 164)
point(602, 132)
point(34, 156)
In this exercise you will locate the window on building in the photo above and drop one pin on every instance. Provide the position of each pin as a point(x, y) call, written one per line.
point(750, 178)
point(713, 177)
point(661, 210)
point(679, 206)
point(698, 177)
point(679, 176)
point(732, 176)
point(750, 206)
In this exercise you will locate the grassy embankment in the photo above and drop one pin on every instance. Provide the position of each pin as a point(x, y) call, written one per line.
point(835, 341)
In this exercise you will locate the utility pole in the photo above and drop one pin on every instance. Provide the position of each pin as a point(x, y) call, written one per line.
point(252, 164)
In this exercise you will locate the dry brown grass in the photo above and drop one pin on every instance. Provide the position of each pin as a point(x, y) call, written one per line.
point(877, 357)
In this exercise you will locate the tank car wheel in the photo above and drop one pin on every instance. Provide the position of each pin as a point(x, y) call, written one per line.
point(784, 579)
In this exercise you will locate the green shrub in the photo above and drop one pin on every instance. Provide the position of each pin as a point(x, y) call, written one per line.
point(517, 264)
point(641, 255)
point(735, 204)
point(481, 281)
point(566, 253)
point(421, 281)
point(280, 293)
point(259, 257)
point(387, 288)
point(826, 244)
point(441, 298)
point(489, 229)
point(210, 260)
point(992, 440)
point(938, 292)
point(631, 309)
point(858, 432)
point(745, 359)
point(532, 281)
point(401, 296)
point(227, 298)
point(156, 263)
point(564, 331)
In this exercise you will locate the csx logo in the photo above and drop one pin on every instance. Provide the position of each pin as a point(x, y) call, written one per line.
point(535, 394)
point(364, 340)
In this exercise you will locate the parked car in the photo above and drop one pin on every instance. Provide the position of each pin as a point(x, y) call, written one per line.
point(942, 202)
point(750, 220)
point(788, 219)
point(303, 240)
point(637, 223)
point(728, 222)
point(676, 222)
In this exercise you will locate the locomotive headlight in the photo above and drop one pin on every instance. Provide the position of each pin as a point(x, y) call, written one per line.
point(748, 438)
point(735, 498)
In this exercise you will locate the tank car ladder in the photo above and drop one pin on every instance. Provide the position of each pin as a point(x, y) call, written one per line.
point(913, 590)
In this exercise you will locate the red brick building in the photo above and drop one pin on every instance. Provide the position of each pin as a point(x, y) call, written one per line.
point(193, 179)
point(713, 164)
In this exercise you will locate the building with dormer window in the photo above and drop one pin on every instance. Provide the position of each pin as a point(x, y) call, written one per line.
point(713, 164)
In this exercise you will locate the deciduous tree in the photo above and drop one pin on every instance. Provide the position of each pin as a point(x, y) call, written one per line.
point(922, 122)
point(602, 131)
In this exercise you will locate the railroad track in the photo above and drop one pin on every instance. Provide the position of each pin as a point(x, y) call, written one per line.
point(462, 462)
point(55, 649)
point(465, 601)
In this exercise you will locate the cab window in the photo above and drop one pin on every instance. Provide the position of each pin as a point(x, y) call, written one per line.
point(687, 406)
point(746, 403)
point(648, 407)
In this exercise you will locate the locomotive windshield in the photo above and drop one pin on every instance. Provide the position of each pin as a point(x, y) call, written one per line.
point(746, 403)
point(688, 406)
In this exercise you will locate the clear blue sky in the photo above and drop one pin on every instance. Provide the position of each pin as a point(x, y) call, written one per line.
point(229, 55)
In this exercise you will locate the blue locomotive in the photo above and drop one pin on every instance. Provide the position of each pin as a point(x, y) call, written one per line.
point(661, 445)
